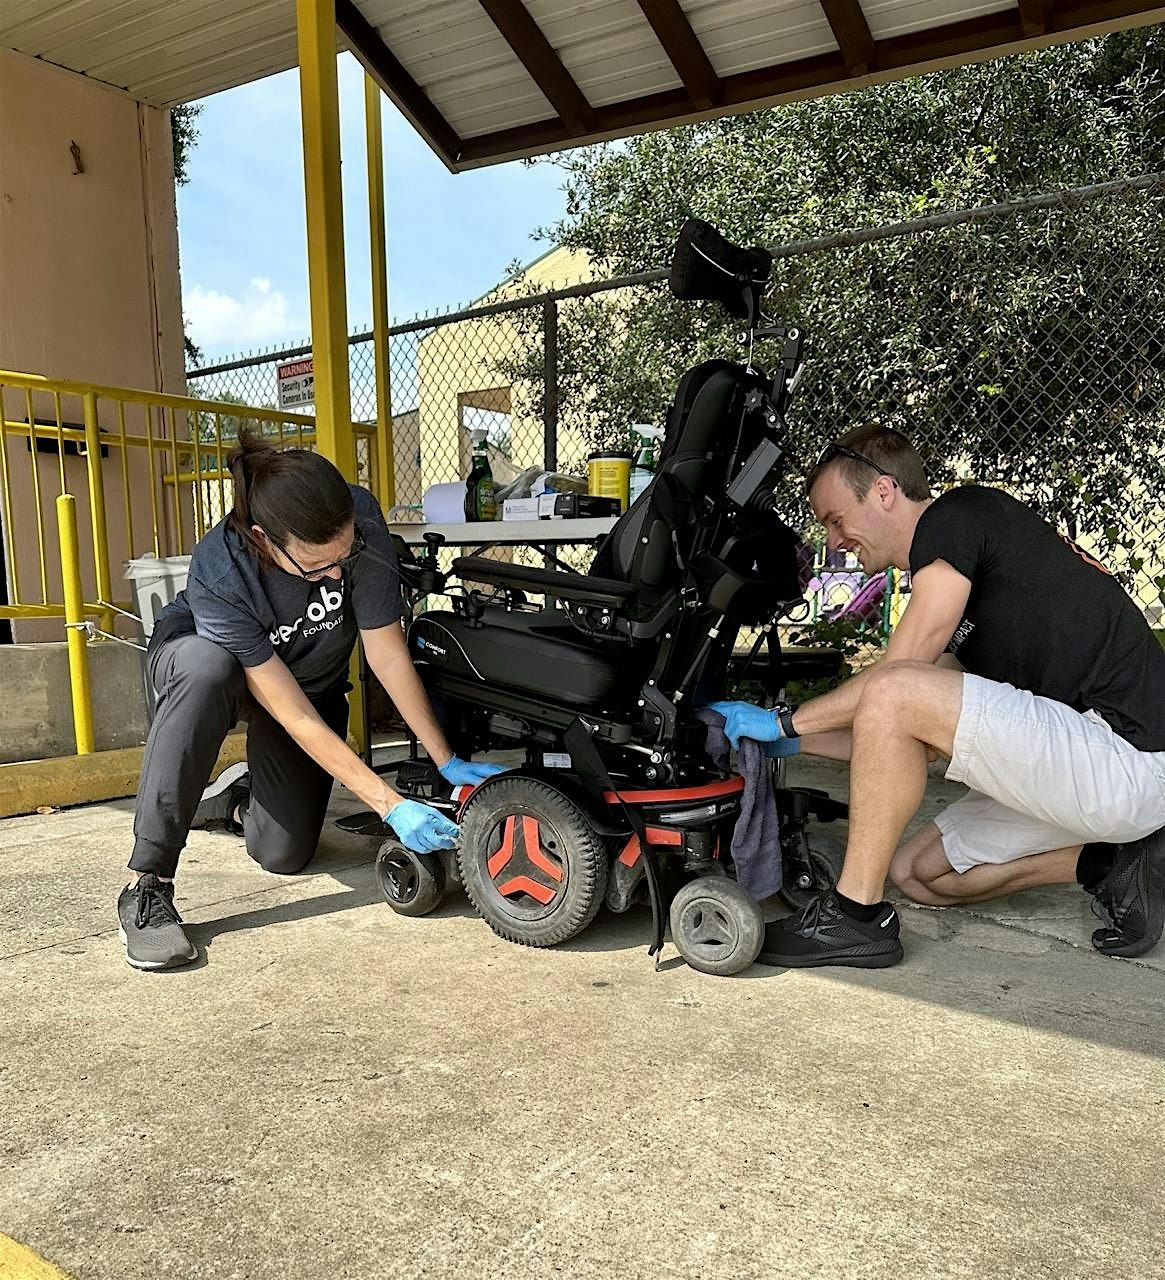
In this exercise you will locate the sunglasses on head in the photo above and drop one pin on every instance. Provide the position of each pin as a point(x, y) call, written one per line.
point(313, 575)
point(835, 450)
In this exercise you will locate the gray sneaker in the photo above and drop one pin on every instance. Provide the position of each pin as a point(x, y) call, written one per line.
point(151, 927)
point(225, 797)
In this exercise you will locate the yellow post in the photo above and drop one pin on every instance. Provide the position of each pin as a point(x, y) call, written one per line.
point(385, 470)
point(75, 613)
point(97, 508)
point(320, 107)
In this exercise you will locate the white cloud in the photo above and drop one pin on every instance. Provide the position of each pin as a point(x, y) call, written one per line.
point(256, 316)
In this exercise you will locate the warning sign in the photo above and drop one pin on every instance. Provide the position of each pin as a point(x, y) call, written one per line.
point(296, 383)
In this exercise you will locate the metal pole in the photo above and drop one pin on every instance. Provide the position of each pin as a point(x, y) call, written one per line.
point(97, 508)
point(74, 617)
point(385, 477)
point(323, 200)
point(324, 205)
point(550, 384)
point(889, 589)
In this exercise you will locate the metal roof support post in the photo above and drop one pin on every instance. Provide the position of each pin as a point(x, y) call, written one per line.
point(320, 107)
point(323, 200)
point(384, 478)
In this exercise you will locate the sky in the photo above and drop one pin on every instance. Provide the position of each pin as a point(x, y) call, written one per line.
point(241, 229)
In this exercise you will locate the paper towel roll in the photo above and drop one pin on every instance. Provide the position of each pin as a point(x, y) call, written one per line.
point(445, 503)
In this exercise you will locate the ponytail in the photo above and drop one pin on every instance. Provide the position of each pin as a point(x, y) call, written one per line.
point(290, 493)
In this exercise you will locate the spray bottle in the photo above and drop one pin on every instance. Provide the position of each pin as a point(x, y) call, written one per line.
point(480, 502)
point(646, 457)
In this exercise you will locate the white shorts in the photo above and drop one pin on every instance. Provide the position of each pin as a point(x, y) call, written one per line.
point(1042, 777)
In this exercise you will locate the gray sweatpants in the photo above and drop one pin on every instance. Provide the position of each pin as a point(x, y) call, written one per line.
point(202, 695)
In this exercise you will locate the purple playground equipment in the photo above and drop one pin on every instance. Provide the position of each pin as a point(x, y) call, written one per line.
point(865, 605)
point(863, 599)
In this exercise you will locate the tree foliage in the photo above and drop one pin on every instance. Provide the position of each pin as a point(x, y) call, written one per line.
point(184, 134)
point(1027, 350)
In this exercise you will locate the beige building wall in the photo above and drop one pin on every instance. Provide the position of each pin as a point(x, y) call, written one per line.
point(89, 285)
point(458, 371)
point(406, 457)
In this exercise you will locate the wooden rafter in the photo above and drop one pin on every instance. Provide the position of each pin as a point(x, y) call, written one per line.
point(538, 56)
point(685, 52)
point(385, 68)
point(1036, 16)
point(852, 33)
point(578, 123)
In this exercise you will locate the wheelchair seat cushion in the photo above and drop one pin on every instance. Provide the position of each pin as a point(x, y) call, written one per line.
point(534, 653)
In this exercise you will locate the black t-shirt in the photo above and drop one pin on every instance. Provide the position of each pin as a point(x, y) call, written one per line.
point(1043, 615)
point(256, 611)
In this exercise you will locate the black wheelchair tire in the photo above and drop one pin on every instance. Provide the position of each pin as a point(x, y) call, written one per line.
point(413, 884)
point(565, 845)
point(716, 926)
point(826, 855)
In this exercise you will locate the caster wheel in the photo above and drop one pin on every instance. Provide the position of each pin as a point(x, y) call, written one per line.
point(716, 926)
point(805, 880)
point(413, 884)
point(531, 862)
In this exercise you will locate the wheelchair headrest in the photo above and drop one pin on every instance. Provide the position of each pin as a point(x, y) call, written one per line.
point(707, 267)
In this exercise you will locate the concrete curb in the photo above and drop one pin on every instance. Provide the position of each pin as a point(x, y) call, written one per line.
point(19, 1263)
point(69, 780)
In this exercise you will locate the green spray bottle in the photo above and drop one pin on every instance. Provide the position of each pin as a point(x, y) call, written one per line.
point(480, 500)
point(646, 457)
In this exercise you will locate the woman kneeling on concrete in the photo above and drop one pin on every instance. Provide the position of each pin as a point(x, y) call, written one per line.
point(264, 632)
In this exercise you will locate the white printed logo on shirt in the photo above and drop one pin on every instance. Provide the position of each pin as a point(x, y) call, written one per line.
point(963, 630)
point(324, 614)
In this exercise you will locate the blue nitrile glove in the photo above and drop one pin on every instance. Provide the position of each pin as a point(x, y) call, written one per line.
point(421, 828)
point(743, 720)
point(464, 773)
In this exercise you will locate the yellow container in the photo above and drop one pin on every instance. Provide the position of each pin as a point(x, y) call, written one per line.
point(609, 476)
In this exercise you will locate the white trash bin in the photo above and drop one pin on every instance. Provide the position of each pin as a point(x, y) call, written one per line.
point(155, 581)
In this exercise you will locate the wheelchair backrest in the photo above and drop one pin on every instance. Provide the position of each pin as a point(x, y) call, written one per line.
point(707, 436)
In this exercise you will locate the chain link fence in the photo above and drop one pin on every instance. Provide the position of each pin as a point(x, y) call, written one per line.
point(1021, 345)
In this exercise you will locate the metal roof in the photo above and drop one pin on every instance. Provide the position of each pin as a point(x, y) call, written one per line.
point(487, 80)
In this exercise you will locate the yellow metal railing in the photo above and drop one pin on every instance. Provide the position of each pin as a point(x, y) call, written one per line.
point(151, 471)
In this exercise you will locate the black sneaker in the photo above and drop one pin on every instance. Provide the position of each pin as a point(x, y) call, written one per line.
point(821, 933)
point(223, 798)
point(1131, 899)
point(151, 927)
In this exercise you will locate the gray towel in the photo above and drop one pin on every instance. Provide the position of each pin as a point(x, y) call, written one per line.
point(756, 839)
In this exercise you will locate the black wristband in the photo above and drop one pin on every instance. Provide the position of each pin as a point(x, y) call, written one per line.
point(785, 715)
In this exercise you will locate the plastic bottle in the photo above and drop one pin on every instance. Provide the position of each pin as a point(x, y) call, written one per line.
point(646, 458)
point(480, 502)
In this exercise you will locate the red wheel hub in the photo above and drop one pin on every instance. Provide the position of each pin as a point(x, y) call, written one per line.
point(522, 864)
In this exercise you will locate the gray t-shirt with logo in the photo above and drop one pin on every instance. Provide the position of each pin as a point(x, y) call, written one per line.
point(257, 612)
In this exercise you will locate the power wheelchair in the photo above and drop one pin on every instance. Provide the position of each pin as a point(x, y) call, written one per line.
point(617, 800)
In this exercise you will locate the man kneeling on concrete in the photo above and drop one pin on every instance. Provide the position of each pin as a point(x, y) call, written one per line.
point(1020, 660)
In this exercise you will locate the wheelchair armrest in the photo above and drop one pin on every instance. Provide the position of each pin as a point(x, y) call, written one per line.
point(607, 592)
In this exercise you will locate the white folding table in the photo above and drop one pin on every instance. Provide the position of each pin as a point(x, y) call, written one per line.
point(509, 533)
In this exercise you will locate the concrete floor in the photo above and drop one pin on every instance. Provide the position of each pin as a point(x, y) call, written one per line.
point(338, 1091)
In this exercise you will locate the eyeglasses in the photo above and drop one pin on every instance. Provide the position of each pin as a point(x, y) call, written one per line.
point(314, 575)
